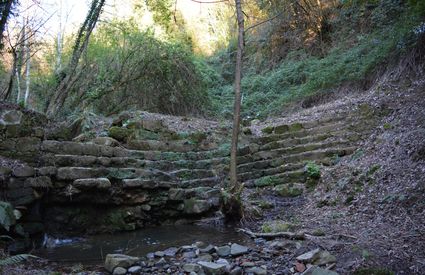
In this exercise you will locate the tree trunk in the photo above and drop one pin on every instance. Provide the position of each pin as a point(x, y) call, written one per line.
point(6, 8)
point(27, 66)
point(234, 184)
point(59, 41)
point(8, 90)
point(232, 203)
point(64, 86)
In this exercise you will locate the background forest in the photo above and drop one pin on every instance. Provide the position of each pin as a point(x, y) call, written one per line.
point(298, 52)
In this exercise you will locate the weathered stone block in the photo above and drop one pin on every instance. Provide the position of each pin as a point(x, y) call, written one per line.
point(99, 183)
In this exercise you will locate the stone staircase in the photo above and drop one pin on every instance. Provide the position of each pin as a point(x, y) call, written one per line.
point(279, 155)
point(102, 185)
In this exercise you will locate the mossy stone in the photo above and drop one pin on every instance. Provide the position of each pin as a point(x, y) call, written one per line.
point(289, 190)
point(119, 133)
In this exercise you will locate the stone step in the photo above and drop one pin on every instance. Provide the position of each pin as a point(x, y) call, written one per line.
point(298, 126)
point(89, 149)
point(205, 182)
point(166, 165)
point(258, 173)
point(325, 129)
point(285, 143)
point(296, 176)
point(111, 173)
point(317, 155)
point(189, 174)
point(299, 149)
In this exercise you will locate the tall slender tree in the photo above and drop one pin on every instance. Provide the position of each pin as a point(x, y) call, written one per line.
point(68, 75)
point(233, 206)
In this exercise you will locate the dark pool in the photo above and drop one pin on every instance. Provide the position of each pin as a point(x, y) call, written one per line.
point(92, 249)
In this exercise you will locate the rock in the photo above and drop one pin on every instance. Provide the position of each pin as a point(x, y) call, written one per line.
point(10, 117)
point(119, 260)
point(223, 261)
point(146, 207)
point(256, 270)
point(324, 258)
point(212, 268)
point(135, 269)
point(236, 271)
point(171, 252)
point(105, 141)
point(153, 125)
point(247, 264)
point(161, 262)
point(237, 250)
point(309, 256)
point(8, 217)
point(208, 249)
point(159, 254)
point(189, 255)
point(119, 133)
point(39, 182)
point(191, 268)
point(23, 171)
point(289, 189)
point(299, 267)
point(99, 183)
point(205, 258)
point(119, 271)
point(194, 206)
point(223, 251)
point(315, 270)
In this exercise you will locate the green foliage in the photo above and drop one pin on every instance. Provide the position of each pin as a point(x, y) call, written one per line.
point(16, 259)
point(7, 218)
point(127, 68)
point(277, 226)
point(418, 6)
point(312, 170)
point(353, 56)
point(267, 181)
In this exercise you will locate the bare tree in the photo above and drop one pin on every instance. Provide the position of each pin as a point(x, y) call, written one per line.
point(233, 206)
point(68, 75)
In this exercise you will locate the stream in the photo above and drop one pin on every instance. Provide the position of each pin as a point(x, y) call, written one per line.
point(93, 249)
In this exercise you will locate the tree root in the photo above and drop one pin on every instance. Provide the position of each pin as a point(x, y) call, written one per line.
point(288, 235)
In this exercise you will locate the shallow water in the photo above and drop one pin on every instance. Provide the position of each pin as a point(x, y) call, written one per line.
point(92, 249)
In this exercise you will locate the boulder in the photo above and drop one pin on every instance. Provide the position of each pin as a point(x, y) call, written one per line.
point(113, 261)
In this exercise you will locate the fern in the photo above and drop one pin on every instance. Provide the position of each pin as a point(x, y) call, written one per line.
point(16, 259)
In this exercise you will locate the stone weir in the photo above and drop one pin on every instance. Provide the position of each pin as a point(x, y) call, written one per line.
point(102, 185)
point(144, 174)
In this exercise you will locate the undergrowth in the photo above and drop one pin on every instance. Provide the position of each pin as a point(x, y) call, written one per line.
point(353, 59)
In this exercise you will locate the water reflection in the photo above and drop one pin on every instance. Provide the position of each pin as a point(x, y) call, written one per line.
point(93, 249)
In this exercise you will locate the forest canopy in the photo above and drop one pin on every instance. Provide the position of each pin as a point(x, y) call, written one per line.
point(177, 57)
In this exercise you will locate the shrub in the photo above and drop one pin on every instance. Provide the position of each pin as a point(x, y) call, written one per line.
point(312, 170)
